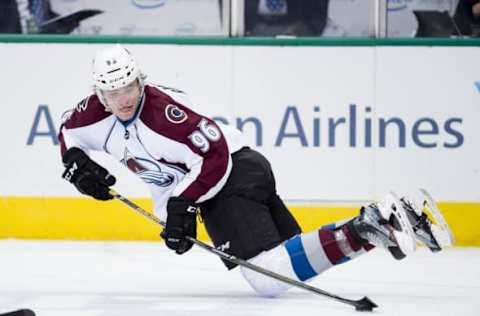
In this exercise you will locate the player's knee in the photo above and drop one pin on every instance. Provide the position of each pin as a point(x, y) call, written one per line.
point(263, 286)
point(276, 260)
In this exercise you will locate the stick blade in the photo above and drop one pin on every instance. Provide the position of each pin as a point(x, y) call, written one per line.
point(20, 312)
point(365, 305)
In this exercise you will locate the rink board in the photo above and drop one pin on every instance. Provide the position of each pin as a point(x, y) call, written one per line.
point(86, 219)
point(341, 125)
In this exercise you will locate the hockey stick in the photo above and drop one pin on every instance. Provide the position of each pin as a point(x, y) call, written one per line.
point(364, 304)
point(20, 312)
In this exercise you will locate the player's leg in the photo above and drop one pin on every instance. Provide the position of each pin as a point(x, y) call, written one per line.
point(304, 256)
point(239, 215)
point(240, 226)
point(284, 221)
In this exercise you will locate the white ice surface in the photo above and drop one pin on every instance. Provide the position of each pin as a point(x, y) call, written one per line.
point(127, 278)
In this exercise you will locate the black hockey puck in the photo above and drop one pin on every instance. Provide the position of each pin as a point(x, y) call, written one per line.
point(20, 312)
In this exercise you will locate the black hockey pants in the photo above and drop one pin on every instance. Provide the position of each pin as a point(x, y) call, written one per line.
point(247, 216)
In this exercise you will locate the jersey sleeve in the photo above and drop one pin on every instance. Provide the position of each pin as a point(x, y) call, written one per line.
point(209, 161)
point(76, 123)
point(193, 140)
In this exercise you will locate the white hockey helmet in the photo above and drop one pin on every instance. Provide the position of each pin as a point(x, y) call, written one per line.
point(114, 68)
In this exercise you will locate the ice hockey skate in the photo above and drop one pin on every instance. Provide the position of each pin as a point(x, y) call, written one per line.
point(428, 223)
point(385, 224)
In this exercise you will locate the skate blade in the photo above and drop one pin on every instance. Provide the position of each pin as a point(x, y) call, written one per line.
point(440, 229)
point(405, 237)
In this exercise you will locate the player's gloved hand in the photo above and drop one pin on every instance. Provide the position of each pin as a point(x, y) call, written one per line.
point(181, 222)
point(88, 177)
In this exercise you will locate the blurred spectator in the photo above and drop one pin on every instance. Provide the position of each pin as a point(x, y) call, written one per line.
point(146, 17)
point(9, 17)
point(467, 17)
point(285, 17)
point(36, 16)
point(24, 16)
point(401, 21)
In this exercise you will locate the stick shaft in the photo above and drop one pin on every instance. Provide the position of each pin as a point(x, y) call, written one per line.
point(243, 263)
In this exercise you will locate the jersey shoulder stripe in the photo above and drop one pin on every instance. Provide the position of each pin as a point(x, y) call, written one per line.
point(87, 112)
point(166, 116)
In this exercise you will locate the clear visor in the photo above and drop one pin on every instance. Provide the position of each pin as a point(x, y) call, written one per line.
point(116, 94)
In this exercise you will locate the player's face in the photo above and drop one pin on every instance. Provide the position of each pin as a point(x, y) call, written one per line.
point(124, 101)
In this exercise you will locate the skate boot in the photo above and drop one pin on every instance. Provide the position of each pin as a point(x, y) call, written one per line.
point(428, 223)
point(385, 224)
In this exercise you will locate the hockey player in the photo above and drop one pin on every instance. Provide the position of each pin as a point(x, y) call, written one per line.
point(194, 165)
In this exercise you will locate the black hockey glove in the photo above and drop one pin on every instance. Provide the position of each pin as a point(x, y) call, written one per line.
point(86, 175)
point(181, 222)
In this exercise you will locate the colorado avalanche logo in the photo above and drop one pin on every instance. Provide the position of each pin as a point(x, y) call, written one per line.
point(147, 170)
point(174, 114)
